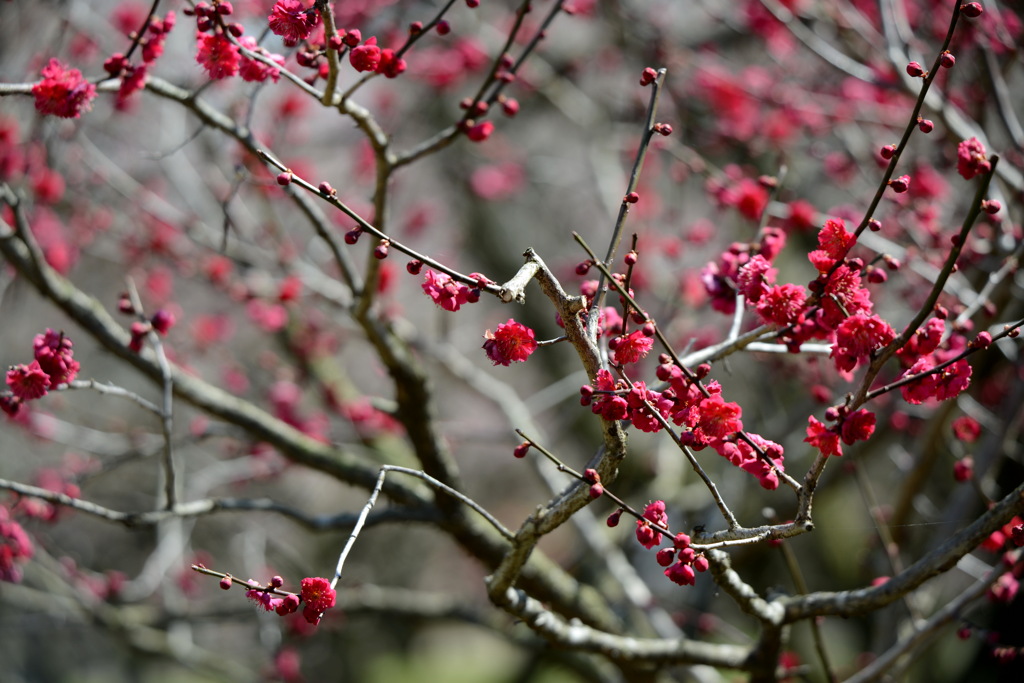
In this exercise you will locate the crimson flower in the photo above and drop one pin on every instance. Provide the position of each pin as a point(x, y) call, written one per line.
point(28, 382)
point(293, 22)
point(445, 292)
point(318, 596)
point(970, 159)
point(755, 278)
point(647, 535)
point(858, 426)
point(782, 304)
point(857, 337)
point(822, 438)
point(53, 351)
point(218, 55)
point(512, 341)
point(63, 92)
point(632, 347)
point(366, 57)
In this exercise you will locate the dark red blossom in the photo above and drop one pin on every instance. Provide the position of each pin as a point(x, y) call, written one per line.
point(858, 426)
point(966, 429)
point(63, 92)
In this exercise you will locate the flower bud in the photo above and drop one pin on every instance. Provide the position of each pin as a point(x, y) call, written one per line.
point(972, 10)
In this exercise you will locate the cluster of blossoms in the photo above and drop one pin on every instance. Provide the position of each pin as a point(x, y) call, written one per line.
point(133, 76)
point(15, 547)
point(944, 373)
point(707, 419)
point(681, 562)
point(53, 365)
point(316, 594)
point(63, 91)
point(295, 22)
point(223, 56)
point(970, 159)
point(449, 294)
point(1007, 540)
point(162, 321)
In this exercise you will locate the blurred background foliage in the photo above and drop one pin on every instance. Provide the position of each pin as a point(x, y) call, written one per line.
point(149, 191)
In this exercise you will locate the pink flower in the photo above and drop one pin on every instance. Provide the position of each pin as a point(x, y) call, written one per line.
point(390, 65)
point(366, 57)
point(318, 596)
point(834, 240)
point(445, 292)
point(54, 354)
point(63, 92)
point(966, 429)
point(641, 400)
point(755, 278)
point(782, 304)
point(923, 342)
point(716, 419)
point(843, 296)
point(293, 22)
point(218, 55)
point(608, 405)
point(15, 546)
point(480, 131)
point(264, 599)
point(858, 426)
point(857, 337)
point(822, 438)
point(647, 535)
point(681, 573)
point(632, 347)
point(133, 79)
point(255, 71)
point(942, 385)
point(512, 341)
point(970, 159)
point(28, 382)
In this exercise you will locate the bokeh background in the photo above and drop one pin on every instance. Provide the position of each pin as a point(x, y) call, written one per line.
point(148, 193)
